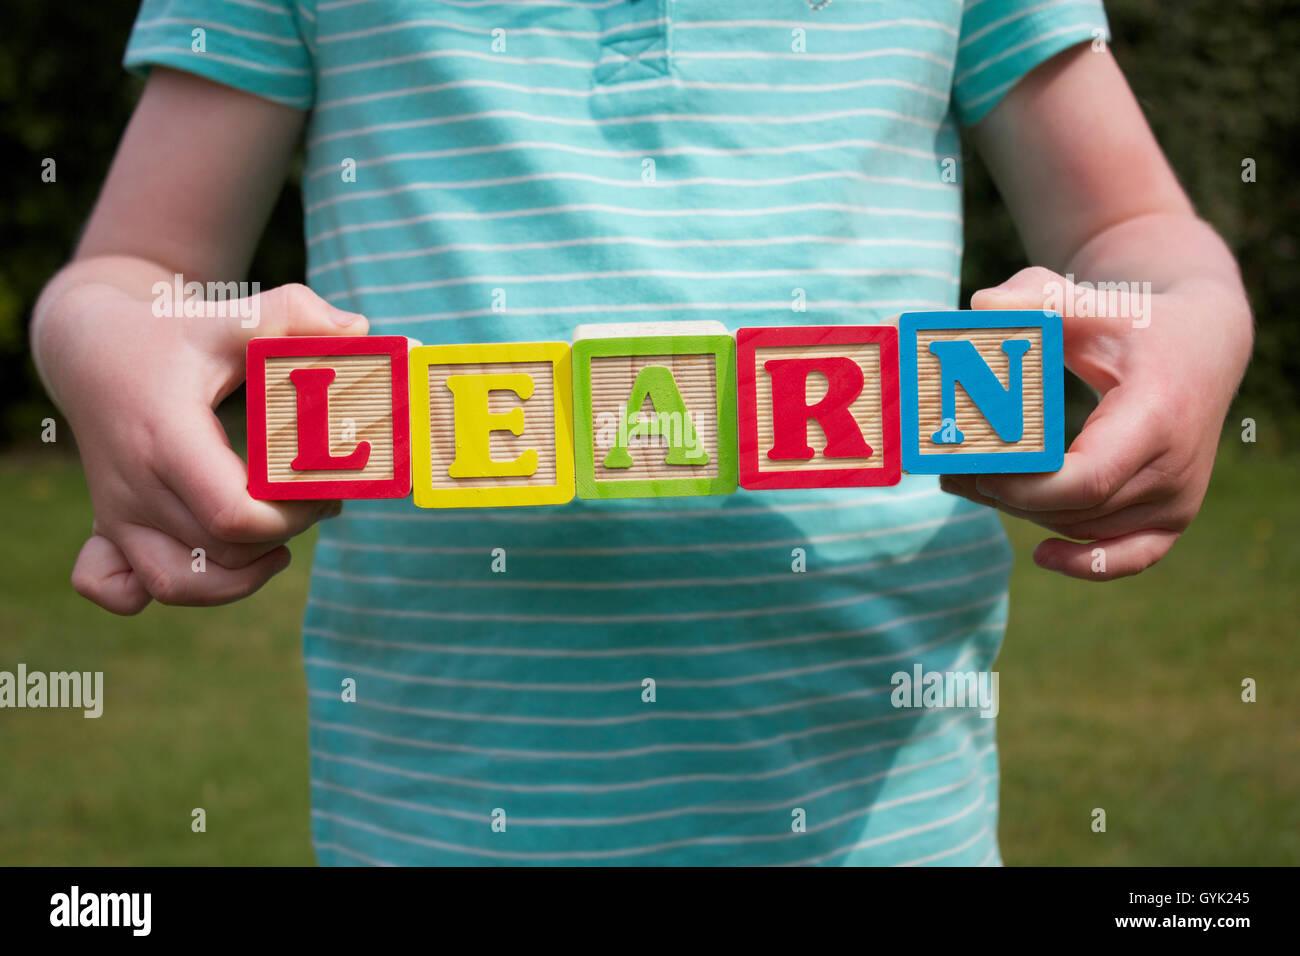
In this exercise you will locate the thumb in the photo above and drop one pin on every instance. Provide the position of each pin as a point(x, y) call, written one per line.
point(292, 309)
point(1036, 288)
point(1093, 323)
point(1032, 288)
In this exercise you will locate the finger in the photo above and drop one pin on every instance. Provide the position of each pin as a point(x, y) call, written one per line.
point(169, 514)
point(1114, 517)
point(1118, 440)
point(963, 486)
point(212, 482)
point(1150, 516)
point(1080, 307)
point(166, 569)
point(1095, 327)
point(1024, 290)
point(1107, 559)
point(103, 576)
point(1082, 525)
point(285, 310)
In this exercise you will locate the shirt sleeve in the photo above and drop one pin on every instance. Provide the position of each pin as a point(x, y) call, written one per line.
point(1002, 40)
point(258, 46)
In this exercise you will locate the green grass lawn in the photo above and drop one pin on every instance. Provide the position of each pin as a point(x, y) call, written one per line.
point(1127, 696)
point(1124, 696)
point(204, 707)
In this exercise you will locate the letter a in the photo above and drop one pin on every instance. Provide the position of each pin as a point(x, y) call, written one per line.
point(657, 382)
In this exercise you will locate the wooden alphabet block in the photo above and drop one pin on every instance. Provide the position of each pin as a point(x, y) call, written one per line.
point(327, 417)
point(982, 392)
point(492, 424)
point(818, 406)
point(654, 410)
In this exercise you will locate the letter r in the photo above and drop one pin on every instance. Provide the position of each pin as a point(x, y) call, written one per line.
point(791, 411)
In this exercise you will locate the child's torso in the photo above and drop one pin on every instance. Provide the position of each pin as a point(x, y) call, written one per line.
point(492, 172)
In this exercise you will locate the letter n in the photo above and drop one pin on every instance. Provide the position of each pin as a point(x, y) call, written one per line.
point(960, 364)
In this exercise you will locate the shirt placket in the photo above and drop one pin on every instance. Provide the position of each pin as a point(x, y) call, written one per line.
point(634, 42)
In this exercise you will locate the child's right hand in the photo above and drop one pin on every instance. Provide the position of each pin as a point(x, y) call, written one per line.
point(139, 392)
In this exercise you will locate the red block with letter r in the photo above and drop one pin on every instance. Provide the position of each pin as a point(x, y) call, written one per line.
point(818, 406)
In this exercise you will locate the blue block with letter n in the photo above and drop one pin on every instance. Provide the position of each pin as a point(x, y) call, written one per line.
point(983, 392)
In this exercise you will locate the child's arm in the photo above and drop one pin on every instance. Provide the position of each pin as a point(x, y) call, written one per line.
point(1093, 196)
point(189, 192)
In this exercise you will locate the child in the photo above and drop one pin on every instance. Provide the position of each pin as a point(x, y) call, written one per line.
point(651, 681)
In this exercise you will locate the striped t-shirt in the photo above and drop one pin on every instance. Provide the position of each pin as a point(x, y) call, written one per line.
point(701, 680)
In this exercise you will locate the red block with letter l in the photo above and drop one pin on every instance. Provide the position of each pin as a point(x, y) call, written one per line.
point(818, 406)
point(328, 417)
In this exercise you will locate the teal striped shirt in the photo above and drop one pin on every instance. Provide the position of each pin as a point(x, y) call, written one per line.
point(660, 681)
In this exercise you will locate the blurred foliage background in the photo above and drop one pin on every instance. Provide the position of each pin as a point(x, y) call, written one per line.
point(1217, 81)
point(1124, 696)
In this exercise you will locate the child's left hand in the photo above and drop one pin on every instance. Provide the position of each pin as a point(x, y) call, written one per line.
point(1133, 480)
